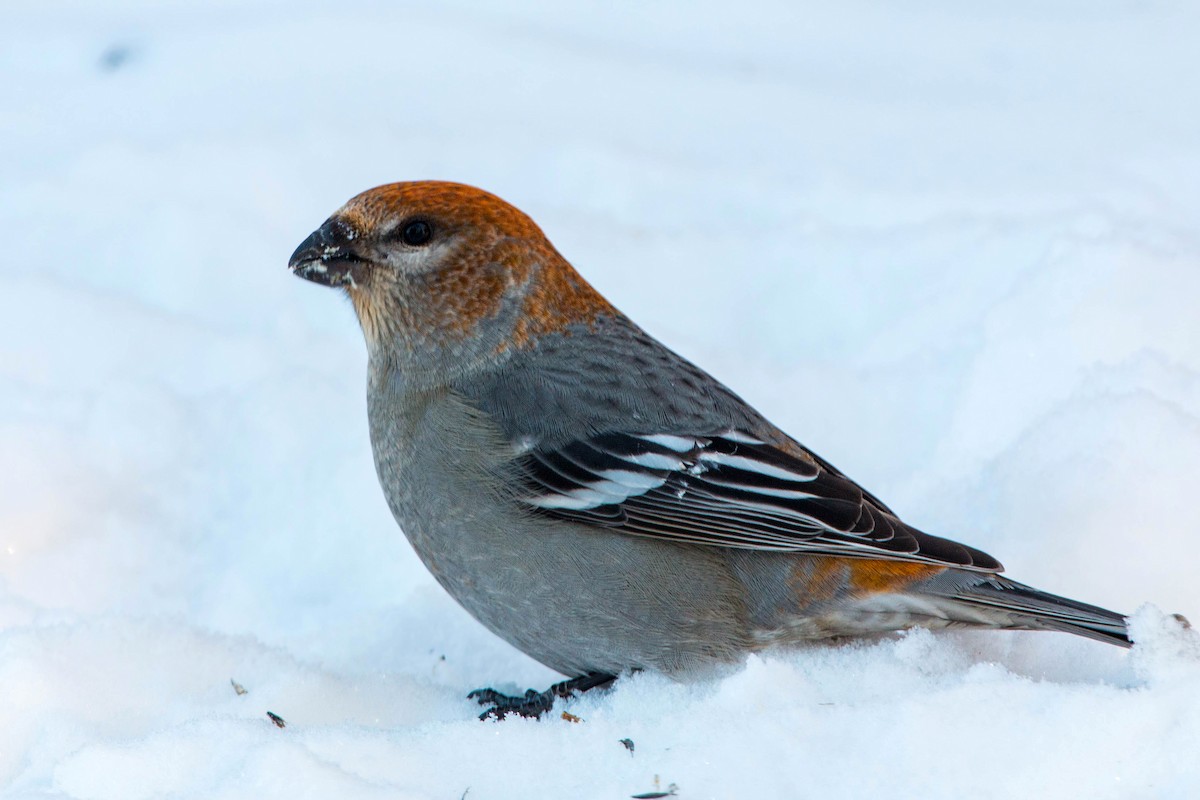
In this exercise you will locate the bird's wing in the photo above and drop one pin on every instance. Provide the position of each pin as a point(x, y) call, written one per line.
point(724, 490)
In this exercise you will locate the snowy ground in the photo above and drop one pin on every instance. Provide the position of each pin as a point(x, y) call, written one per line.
point(956, 253)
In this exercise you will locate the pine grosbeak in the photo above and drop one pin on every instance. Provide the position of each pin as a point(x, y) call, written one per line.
point(595, 499)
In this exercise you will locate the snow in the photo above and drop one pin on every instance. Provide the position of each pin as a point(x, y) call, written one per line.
point(954, 248)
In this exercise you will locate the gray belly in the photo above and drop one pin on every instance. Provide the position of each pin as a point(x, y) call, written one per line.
point(580, 600)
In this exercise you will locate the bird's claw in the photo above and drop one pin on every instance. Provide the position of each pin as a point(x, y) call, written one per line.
point(533, 703)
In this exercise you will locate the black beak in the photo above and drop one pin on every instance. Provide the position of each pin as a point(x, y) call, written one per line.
point(327, 255)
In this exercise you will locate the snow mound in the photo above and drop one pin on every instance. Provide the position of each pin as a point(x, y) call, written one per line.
point(955, 250)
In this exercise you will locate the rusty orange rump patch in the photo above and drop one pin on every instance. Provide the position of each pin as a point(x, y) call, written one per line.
point(818, 579)
point(873, 575)
point(822, 578)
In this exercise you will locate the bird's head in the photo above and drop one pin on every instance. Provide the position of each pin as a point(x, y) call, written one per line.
point(445, 273)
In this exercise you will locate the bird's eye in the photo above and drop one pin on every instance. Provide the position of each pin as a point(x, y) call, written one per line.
point(416, 233)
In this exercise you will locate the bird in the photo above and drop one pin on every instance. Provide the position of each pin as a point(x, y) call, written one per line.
point(595, 499)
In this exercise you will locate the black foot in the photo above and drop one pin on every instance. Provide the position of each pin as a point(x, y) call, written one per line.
point(533, 703)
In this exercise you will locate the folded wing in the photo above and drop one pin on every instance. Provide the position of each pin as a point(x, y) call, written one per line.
point(725, 490)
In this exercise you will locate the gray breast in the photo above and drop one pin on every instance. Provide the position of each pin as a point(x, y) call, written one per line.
point(575, 598)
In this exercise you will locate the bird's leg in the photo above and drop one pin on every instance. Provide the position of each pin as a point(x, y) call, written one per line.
point(534, 703)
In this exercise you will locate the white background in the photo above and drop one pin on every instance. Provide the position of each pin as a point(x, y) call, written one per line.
point(955, 248)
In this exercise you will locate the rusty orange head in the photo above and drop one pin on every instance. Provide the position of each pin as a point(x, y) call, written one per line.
point(431, 263)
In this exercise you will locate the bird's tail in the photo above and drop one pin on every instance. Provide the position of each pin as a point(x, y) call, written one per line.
point(998, 602)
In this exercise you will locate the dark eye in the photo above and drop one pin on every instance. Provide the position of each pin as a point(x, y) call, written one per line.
point(416, 233)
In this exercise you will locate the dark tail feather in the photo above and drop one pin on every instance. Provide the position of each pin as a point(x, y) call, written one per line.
point(1030, 609)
